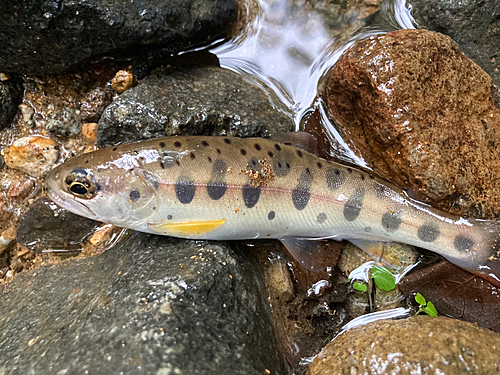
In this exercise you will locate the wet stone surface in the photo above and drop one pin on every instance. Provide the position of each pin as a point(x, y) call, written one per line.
point(45, 37)
point(151, 304)
point(209, 101)
point(46, 226)
point(10, 98)
point(437, 345)
point(423, 115)
point(474, 25)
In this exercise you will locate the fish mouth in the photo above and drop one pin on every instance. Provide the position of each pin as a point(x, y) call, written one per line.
point(65, 200)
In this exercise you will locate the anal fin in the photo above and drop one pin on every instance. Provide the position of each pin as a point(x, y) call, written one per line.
point(186, 228)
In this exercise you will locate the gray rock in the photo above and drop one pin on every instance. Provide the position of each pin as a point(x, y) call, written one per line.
point(47, 226)
point(474, 25)
point(65, 124)
point(10, 98)
point(210, 101)
point(46, 37)
point(150, 305)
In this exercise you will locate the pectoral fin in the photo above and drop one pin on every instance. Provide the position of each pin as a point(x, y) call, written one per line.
point(186, 228)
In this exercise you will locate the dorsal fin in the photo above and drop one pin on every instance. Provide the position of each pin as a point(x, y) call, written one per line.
point(302, 140)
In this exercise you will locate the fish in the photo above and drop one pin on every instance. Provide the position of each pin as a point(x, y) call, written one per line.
point(229, 188)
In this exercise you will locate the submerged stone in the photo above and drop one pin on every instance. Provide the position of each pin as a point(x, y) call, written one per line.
point(423, 115)
point(418, 345)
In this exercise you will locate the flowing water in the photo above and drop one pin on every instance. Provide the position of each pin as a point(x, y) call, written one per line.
point(288, 46)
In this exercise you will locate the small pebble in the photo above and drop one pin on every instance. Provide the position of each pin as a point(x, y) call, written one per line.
point(122, 81)
point(27, 112)
point(65, 124)
point(89, 131)
point(4, 77)
point(21, 189)
point(33, 155)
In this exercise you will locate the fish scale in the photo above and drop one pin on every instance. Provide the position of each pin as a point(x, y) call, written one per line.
point(226, 188)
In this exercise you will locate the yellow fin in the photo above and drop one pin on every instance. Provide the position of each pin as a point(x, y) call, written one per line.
point(186, 228)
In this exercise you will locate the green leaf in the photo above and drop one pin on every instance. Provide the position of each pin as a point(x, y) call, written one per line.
point(430, 309)
point(420, 299)
point(383, 278)
point(361, 287)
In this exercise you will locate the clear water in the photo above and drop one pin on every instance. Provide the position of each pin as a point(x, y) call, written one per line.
point(289, 45)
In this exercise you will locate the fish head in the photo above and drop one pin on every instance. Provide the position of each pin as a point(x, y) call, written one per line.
point(103, 189)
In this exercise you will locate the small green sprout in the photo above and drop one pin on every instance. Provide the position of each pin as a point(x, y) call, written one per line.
point(359, 286)
point(425, 307)
point(383, 278)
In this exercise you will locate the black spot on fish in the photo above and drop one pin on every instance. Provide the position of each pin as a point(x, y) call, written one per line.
point(319, 165)
point(277, 147)
point(428, 232)
point(185, 190)
point(463, 243)
point(382, 191)
point(288, 143)
point(227, 141)
point(218, 151)
point(216, 187)
point(287, 165)
point(299, 153)
point(302, 193)
point(177, 144)
point(270, 154)
point(271, 215)
point(392, 220)
point(254, 163)
point(162, 144)
point(251, 195)
point(178, 163)
point(354, 204)
point(321, 218)
point(371, 177)
point(368, 229)
point(204, 143)
point(115, 148)
point(257, 146)
point(349, 170)
point(243, 152)
point(362, 176)
point(209, 159)
point(169, 217)
point(134, 195)
point(193, 156)
point(334, 178)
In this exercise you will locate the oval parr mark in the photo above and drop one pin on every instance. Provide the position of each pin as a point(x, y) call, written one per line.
point(271, 215)
point(185, 191)
point(321, 218)
point(216, 187)
point(354, 204)
point(302, 193)
point(392, 220)
point(428, 232)
point(251, 195)
point(334, 178)
point(462, 243)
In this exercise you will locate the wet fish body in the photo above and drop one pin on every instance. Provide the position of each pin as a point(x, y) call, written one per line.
point(225, 188)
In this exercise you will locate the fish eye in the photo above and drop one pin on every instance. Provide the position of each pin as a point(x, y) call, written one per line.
point(81, 184)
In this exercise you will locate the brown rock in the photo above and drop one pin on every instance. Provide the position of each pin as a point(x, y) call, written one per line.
point(94, 104)
point(122, 81)
point(21, 189)
point(423, 115)
point(418, 345)
point(89, 131)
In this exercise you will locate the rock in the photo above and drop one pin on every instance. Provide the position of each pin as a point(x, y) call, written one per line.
point(209, 101)
point(474, 25)
point(21, 189)
point(89, 131)
point(27, 112)
point(43, 37)
point(152, 305)
point(10, 97)
point(34, 155)
point(123, 81)
point(94, 104)
point(437, 345)
point(46, 226)
point(65, 124)
point(423, 115)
